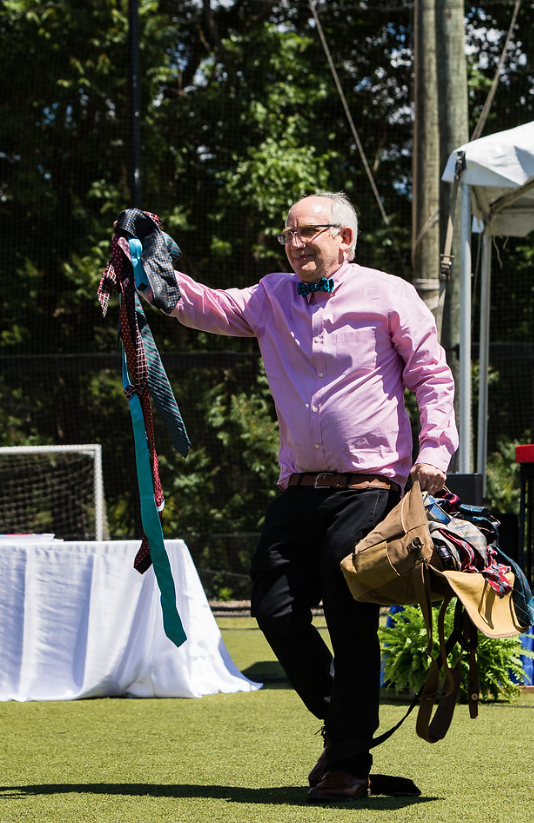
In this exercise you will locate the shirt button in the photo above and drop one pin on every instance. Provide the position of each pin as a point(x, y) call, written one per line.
point(314, 408)
point(321, 374)
point(317, 445)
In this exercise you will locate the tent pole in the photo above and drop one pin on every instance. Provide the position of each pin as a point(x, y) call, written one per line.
point(464, 452)
point(485, 294)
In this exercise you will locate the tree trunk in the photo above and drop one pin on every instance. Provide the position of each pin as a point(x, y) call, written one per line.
point(454, 132)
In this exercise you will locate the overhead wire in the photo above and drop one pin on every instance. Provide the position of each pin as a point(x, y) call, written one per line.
point(447, 256)
point(478, 129)
point(348, 113)
point(491, 94)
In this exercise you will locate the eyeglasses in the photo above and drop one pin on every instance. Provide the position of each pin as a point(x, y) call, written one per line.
point(304, 232)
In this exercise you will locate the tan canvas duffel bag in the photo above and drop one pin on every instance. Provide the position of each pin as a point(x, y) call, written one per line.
point(398, 564)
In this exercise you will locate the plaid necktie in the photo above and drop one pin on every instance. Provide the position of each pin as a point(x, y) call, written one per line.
point(160, 388)
point(322, 285)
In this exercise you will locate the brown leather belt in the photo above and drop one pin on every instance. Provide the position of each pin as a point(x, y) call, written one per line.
point(341, 480)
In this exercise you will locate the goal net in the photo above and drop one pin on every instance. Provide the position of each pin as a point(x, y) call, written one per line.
point(53, 490)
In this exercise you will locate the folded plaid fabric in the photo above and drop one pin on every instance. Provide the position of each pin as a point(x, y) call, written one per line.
point(160, 253)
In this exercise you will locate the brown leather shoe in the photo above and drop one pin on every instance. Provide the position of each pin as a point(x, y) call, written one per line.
point(338, 787)
point(317, 771)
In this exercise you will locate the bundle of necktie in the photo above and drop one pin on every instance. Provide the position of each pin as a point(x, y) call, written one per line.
point(142, 256)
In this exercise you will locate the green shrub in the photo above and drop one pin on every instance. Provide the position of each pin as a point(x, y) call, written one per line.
point(500, 666)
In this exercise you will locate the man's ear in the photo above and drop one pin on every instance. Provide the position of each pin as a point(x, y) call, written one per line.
point(346, 238)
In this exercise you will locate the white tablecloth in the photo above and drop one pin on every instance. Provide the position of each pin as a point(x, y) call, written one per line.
point(76, 620)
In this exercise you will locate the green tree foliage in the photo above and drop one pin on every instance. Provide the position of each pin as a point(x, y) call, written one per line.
point(239, 116)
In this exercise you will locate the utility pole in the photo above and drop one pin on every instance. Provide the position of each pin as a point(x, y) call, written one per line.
point(426, 161)
point(135, 104)
point(454, 132)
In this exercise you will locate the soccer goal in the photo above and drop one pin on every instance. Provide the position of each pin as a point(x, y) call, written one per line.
point(53, 490)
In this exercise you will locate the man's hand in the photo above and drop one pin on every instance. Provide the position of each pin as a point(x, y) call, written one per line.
point(430, 479)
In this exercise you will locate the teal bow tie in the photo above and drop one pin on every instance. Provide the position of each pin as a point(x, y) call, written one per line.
point(322, 285)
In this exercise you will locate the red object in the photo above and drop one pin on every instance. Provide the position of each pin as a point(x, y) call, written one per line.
point(524, 454)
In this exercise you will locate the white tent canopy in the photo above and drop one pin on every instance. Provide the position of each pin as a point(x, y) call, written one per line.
point(496, 177)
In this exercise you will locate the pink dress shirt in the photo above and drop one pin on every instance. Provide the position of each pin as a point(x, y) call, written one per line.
point(337, 366)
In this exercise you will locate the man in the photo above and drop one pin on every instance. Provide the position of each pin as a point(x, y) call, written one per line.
point(338, 357)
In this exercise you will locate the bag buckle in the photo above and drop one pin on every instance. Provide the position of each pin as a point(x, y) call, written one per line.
point(417, 545)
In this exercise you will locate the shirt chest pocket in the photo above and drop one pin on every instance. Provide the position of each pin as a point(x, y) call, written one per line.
point(355, 350)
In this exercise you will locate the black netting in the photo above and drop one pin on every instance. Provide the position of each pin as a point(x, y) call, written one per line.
point(239, 115)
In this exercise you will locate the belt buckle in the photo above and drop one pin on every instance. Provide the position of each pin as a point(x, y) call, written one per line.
point(322, 474)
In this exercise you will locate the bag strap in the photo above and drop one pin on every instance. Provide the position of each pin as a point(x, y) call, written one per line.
point(434, 729)
point(469, 640)
point(466, 635)
point(423, 593)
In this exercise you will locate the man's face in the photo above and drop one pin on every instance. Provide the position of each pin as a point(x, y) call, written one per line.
point(323, 254)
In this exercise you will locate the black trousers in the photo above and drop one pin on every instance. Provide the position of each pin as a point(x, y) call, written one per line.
point(307, 533)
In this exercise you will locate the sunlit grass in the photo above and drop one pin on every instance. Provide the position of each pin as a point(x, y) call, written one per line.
point(245, 758)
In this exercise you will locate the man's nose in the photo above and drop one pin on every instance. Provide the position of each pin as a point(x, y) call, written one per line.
point(296, 240)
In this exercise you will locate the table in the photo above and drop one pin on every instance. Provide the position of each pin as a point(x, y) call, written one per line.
point(77, 621)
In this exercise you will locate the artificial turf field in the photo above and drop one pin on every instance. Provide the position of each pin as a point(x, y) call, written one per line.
point(242, 758)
